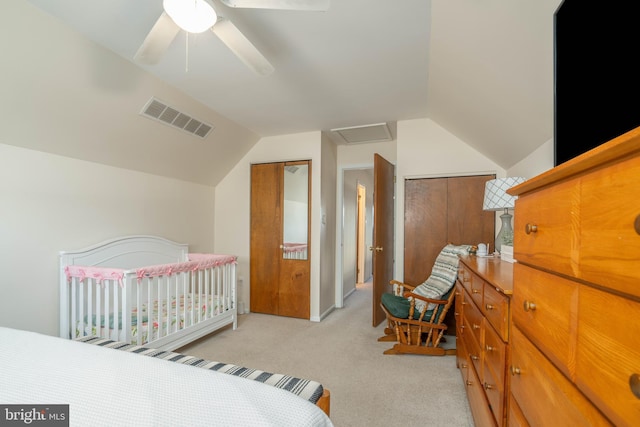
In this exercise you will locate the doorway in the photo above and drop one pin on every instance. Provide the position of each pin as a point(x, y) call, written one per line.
point(361, 219)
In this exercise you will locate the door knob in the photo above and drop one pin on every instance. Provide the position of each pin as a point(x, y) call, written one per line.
point(377, 248)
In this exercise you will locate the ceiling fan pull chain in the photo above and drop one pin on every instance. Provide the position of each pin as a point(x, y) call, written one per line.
point(186, 62)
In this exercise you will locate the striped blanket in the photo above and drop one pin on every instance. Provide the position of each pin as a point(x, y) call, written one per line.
point(309, 390)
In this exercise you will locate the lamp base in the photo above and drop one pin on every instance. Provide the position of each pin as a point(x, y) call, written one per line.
point(505, 235)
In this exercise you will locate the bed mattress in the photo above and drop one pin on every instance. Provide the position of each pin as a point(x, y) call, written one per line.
point(117, 388)
point(307, 389)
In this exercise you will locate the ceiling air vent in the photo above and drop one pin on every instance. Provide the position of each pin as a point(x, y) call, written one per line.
point(161, 112)
point(378, 132)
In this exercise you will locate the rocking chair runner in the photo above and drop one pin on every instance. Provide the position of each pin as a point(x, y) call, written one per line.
point(415, 320)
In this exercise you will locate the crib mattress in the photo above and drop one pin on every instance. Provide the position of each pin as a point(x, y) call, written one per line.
point(307, 389)
point(160, 313)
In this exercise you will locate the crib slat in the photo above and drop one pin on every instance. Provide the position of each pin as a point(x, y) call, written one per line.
point(90, 306)
point(139, 312)
point(169, 304)
point(116, 311)
point(107, 311)
point(185, 278)
point(74, 306)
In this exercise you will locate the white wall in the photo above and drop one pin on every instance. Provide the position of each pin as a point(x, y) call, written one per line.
point(50, 203)
point(541, 160)
point(327, 230)
point(232, 209)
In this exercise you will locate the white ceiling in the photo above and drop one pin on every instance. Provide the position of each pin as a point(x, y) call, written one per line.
point(360, 62)
point(481, 69)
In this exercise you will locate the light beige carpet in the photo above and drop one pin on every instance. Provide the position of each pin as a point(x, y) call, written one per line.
point(367, 387)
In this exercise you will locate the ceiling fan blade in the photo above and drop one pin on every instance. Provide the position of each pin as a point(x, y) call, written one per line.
point(157, 41)
point(241, 46)
point(311, 5)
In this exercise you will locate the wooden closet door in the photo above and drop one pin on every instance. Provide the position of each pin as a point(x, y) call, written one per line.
point(279, 285)
point(440, 211)
point(266, 236)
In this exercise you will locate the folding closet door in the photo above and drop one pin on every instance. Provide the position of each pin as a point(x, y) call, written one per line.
point(439, 211)
point(279, 255)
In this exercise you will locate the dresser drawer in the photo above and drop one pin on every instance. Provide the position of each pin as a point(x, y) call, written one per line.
point(459, 309)
point(473, 349)
point(482, 415)
point(516, 417)
point(495, 395)
point(554, 214)
point(475, 320)
point(472, 283)
point(495, 307)
point(495, 352)
point(608, 357)
point(495, 355)
point(610, 227)
point(544, 395)
point(542, 305)
point(462, 358)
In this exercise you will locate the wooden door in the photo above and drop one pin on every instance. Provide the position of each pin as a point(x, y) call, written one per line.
point(280, 284)
point(266, 232)
point(440, 211)
point(383, 232)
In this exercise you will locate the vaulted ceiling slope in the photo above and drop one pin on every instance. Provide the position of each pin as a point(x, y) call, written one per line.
point(482, 70)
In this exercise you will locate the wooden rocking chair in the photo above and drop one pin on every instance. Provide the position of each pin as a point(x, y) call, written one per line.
point(416, 318)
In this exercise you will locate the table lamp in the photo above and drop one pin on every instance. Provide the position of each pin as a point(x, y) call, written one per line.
point(495, 199)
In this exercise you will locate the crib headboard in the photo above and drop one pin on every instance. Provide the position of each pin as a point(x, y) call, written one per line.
point(127, 252)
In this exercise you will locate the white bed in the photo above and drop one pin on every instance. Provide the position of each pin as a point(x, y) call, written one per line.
point(104, 387)
point(146, 290)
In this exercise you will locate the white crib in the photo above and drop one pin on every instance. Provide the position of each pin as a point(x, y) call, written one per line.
point(171, 297)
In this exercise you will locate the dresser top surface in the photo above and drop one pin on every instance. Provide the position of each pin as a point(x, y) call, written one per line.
point(493, 270)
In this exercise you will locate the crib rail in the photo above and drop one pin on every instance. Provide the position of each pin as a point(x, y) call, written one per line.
point(158, 304)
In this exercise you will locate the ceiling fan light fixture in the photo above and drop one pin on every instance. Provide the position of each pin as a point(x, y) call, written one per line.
point(193, 16)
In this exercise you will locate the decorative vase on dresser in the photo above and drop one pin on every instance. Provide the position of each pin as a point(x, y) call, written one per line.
point(575, 341)
point(482, 311)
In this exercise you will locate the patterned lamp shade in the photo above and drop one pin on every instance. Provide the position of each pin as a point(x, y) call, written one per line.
point(495, 193)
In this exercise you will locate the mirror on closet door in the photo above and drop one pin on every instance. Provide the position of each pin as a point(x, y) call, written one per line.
point(296, 210)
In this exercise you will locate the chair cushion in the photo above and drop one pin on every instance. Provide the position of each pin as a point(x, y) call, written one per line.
point(399, 306)
point(443, 275)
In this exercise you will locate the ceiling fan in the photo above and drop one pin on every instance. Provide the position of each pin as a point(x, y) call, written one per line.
point(197, 16)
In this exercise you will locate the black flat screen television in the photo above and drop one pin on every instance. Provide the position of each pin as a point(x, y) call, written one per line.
point(596, 79)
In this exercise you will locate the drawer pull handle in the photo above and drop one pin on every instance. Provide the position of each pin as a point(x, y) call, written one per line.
point(474, 357)
point(463, 303)
point(476, 326)
point(489, 348)
point(515, 371)
point(469, 383)
point(529, 306)
point(489, 307)
point(530, 228)
point(634, 383)
point(488, 386)
point(464, 366)
point(475, 291)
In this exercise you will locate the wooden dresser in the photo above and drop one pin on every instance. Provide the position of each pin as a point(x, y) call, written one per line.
point(482, 311)
point(575, 344)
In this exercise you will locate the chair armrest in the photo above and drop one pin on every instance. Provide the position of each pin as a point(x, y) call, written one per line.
point(429, 300)
point(406, 285)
